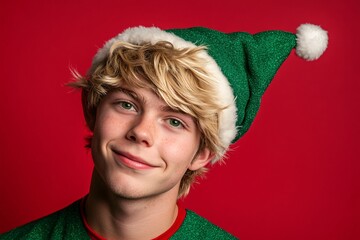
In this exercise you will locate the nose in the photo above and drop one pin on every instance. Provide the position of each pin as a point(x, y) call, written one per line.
point(142, 131)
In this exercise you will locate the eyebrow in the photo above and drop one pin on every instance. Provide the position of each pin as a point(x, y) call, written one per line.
point(133, 94)
point(167, 108)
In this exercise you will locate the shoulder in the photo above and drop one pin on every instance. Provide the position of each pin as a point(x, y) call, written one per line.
point(197, 227)
point(65, 223)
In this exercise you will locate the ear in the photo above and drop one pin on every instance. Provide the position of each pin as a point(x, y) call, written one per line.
point(201, 159)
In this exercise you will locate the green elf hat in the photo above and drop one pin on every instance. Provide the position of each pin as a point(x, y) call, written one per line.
point(243, 64)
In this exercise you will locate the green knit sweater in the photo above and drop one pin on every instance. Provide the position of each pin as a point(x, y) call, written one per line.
point(67, 224)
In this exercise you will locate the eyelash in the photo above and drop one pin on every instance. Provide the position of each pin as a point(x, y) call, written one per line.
point(181, 124)
point(122, 104)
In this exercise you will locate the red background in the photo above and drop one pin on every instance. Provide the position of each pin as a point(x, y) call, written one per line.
point(294, 175)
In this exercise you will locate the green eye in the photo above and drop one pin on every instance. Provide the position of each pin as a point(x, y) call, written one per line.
point(126, 105)
point(175, 123)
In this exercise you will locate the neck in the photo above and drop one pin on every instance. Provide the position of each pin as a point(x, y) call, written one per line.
point(116, 217)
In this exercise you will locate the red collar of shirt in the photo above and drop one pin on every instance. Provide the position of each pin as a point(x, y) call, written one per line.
point(166, 235)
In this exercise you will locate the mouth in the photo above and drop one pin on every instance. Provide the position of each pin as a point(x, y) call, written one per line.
point(131, 161)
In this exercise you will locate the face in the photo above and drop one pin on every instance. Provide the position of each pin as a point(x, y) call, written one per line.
point(141, 147)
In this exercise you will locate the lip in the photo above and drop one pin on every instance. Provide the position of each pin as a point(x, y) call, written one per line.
point(132, 161)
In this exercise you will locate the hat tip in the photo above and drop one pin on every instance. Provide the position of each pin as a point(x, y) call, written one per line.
point(312, 41)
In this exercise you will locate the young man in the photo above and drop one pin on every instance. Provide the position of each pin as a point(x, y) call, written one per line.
point(161, 109)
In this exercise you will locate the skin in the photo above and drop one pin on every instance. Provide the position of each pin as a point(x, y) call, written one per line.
point(141, 149)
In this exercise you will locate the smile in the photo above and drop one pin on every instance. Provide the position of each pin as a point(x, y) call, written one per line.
point(131, 161)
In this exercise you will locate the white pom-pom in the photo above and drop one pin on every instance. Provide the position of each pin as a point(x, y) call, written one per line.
point(312, 41)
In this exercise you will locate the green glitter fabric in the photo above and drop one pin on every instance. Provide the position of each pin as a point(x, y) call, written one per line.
point(249, 62)
point(67, 224)
point(64, 224)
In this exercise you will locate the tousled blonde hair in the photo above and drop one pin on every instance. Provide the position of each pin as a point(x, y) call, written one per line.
point(175, 75)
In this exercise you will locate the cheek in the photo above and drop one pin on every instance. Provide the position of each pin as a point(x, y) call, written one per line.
point(106, 126)
point(180, 151)
point(103, 132)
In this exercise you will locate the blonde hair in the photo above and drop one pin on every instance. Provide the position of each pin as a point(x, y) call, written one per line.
point(175, 75)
